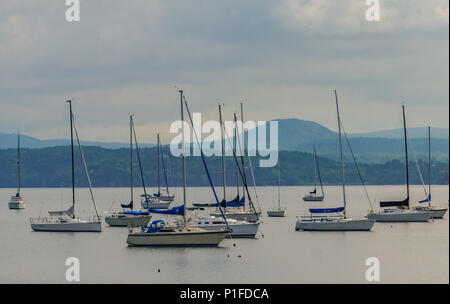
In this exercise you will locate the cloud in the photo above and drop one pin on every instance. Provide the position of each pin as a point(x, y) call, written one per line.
point(325, 17)
point(282, 58)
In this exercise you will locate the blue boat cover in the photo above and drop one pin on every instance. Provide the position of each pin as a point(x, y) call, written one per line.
point(236, 202)
point(428, 199)
point(174, 211)
point(327, 210)
point(136, 212)
point(155, 226)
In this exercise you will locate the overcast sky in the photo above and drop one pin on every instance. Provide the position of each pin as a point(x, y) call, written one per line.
point(281, 57)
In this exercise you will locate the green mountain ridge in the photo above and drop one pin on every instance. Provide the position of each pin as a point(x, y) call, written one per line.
point(50, 167)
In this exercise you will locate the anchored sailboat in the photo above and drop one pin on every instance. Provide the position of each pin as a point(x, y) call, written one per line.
point(338, 222)
point(158, 234)
point(66, 221)
point(438, 213)
point(240, 213)
point(129, 218)
point(279, 212)
point(401, 212)
point(313, 196)
point(148, 201)
point(16, 202)
point(160, 159)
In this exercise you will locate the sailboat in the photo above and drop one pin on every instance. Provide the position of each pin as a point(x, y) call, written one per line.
point(158, 234)
point(66, 221)
point(312, 196)
point(401, 212)
point(163, 197)
point(240, 228)
point(279, 212)
point(438, 213)
point(16, 202)
point(239, 213)
point(338, 222)
point(148, 201)
point(129, 218)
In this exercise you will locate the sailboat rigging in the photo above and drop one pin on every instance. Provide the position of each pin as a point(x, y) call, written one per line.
point(129, 218)
point(338, 222)
point(313, 196)
point(438, 213)
point(16, 202)
point(66, 221)
point(279, 212)
point(401, 212)
point(158, 234)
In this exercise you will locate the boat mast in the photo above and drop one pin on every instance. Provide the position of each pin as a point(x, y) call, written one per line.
point(237, 169)
point(318, 170)
point(183, 157)
point(406, 154)
point(158, 160)
point(223, 155)
point(18, 164)
point(279, 185)
point(315, 171)
point(73, 159)
point(342, 156)
point(131, 161)
point(429, 166)
point(243, 152)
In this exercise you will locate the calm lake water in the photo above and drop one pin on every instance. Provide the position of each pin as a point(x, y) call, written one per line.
point(408, 252)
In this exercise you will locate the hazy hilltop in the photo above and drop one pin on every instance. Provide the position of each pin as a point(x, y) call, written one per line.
point(300, 135)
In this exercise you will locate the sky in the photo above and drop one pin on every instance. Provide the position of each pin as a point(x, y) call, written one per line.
point(282, 58)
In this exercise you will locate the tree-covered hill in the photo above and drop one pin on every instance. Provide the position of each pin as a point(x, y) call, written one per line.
point(50, 167)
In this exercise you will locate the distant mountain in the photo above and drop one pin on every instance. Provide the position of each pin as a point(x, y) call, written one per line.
point(412, 133)
point(8, 141)
point(301, 135)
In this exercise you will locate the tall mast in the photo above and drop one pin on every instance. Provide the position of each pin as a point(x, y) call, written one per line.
point(235, 153)
point(406, 154)
point(429, 166)
point(243, 151)
point(223, 154)
point(158, 160)
point(318, 170)
point(73, 158)
point(18, 164)
point(183, 157)
point(342, 155)
point(279, 185)
point(131, 162)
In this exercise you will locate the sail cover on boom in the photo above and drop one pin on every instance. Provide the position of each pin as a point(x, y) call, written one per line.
point(68, 212)
point(174, 211)
point(404, 203)
point(327, 210)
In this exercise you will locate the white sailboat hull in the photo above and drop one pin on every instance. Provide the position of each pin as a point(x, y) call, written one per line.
point(438, 213)
point(155, 205)
point(66, 226)
point(127, 220)
point(184, 238)
point(334, 225)
point(245, 216)
point(312, 198)
point(401, 217)
point(239, 230)
point(276, 213)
